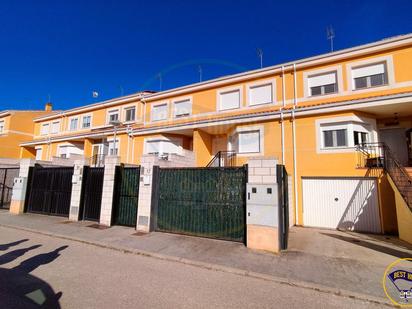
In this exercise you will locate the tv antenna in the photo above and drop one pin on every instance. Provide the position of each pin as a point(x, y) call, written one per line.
point(259, 53)
point(199, 69)
point(121, 90)
point(159, 76)
point(330, 35)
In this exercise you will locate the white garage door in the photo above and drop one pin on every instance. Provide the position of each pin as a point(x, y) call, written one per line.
point(341, 203)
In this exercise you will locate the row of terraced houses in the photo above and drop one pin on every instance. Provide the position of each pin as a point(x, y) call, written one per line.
point(340, 123)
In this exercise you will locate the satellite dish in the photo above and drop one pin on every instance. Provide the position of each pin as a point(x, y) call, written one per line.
point(95, 94)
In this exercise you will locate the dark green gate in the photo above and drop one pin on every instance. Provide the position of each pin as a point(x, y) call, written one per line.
point(208, 202)
point(126, 196)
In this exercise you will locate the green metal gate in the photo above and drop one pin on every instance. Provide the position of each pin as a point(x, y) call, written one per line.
point(207, 202)
point(126, 196)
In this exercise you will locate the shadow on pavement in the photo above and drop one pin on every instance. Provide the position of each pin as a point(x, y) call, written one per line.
point(372, 246)
point(12, 255)
point(4, 247)
point(20, 289)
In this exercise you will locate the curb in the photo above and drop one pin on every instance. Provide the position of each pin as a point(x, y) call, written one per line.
point(216, 267)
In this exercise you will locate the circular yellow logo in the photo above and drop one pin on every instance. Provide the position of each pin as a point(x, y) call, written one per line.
point(397, 282)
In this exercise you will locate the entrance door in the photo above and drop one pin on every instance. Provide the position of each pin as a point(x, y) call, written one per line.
point(126, 196)
point(341, 203)
point(395, 139)
point(92, 193)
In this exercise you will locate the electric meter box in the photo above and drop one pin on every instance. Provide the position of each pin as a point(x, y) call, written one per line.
point(19, 188)
point(262, 204)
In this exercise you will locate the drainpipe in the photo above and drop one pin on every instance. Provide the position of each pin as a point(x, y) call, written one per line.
point(132, 137)
point(282, 125)
point(294, 145)
point(144, 109)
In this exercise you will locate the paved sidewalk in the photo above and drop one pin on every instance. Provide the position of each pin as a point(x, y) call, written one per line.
point(347, 271)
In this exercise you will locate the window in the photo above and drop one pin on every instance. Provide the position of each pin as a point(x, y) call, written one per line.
point(163, 146)
point(44, 130)
point(360, 137)
point(249, 141)
point(113, 115)
point(114, 148)
point(322, 84)
point(229, 99)
point(86, 122)
point(74, 124)
point(55, 127)
point(335, 138)
point(159, 112)
point(183, 108)
point(130, 114)
point(1, 126)
point(369, 76)
point(261, 94)
point(39, 153)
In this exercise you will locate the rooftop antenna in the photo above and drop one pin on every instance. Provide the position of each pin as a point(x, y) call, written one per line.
point(330, 35)
point(259, 53)
point(160, 80)
point(49, 97)
point(121, 90)
point(199, 68)
point(95, 94)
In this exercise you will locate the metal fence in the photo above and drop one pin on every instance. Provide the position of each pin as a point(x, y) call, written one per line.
point(7, 176)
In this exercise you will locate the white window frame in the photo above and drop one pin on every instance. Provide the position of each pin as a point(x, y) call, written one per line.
point(58, 127)
point(222, 91)
point(387, 60)
point(110, 141)
point(271, 82)
point(125, 109)
point(91, 120)
point(161, 139)
point(180, 100)
point(43, 125)
point(113, 111)
point(339, 81)
point(2, 126)
point(153, 106)
point(69, 127)
point(41, 152)
point(351, 124)
point(234, 136)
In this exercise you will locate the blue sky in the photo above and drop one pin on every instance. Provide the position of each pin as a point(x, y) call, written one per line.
point(67, 49)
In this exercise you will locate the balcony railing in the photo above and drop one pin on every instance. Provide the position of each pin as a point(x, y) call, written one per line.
point(379, 155)
point(97, 160)
point(222, 159)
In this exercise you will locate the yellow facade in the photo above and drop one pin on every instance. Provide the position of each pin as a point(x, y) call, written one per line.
point(16, 127)
point(289, 124)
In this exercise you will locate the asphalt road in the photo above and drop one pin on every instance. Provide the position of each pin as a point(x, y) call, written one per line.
point(67, 274)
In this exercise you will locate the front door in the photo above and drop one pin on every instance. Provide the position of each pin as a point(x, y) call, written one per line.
point(395, 139)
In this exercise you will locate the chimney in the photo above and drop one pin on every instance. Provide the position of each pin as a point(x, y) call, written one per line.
point(48, 107)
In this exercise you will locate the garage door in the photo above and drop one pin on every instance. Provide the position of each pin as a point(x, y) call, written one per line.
point(341, 203)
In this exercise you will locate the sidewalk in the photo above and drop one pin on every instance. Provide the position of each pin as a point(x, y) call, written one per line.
point(347, 276)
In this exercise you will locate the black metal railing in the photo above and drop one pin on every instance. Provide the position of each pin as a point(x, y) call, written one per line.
point(223, 159)
point(97, 160)
point(379, 155)
point(5, 196)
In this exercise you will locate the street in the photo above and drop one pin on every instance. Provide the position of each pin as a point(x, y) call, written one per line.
point(75, 275)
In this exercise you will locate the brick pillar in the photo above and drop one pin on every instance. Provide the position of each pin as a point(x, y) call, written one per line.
point(262, 205)
point(110, 163)
point(20, 187)
point(77, 183)
point(144, 210)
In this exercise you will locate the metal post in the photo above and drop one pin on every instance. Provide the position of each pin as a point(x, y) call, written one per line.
point(114, 141)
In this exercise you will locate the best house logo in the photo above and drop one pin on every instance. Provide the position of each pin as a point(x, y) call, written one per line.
point(397, 282)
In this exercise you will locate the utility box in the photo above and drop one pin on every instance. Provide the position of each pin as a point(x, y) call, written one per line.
point(19, 188)
point(262, 204)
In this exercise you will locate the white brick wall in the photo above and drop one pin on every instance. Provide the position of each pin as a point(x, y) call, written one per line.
point(77, 188)
point(262, 170)
point(110, 164)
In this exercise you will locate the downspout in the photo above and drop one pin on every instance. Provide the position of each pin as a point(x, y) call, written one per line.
point(295, 173)
point(128, 143)
point(282, 125)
